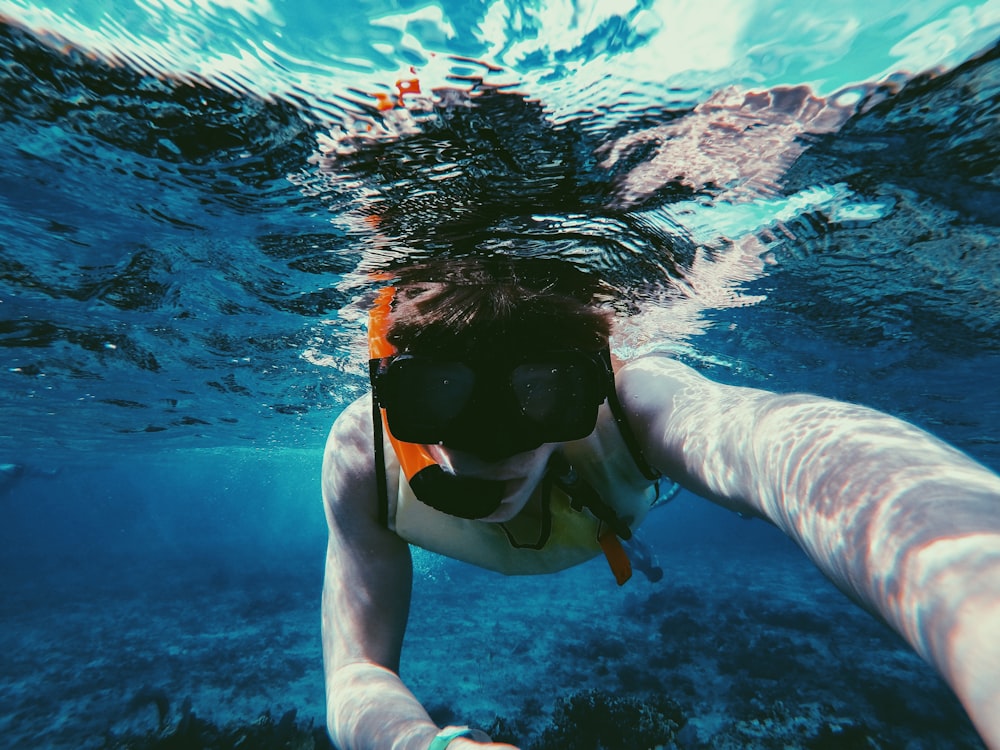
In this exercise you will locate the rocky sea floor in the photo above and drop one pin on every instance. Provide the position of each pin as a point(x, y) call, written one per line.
point(743, 647)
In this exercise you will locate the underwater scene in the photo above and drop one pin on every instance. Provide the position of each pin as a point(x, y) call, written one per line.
point(198, 202)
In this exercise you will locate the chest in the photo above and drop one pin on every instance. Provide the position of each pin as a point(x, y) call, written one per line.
point(552, 534)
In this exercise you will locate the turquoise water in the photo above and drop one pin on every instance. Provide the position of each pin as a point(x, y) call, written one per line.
point(184, 253)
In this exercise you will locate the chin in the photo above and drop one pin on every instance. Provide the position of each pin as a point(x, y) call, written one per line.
point(502, 514)
point(515, 498)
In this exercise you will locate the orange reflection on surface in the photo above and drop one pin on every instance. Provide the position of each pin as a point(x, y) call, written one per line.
point(404, 86)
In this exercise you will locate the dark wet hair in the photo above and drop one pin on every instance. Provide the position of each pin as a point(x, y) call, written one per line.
point(498, 306)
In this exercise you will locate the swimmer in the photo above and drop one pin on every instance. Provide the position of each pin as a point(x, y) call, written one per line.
point(502, 433)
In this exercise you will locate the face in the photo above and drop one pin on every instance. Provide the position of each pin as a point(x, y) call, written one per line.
point(521, 473)
point(490, 420)
point(490, 410)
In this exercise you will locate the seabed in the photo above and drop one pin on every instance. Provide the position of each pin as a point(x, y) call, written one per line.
point(735, 648)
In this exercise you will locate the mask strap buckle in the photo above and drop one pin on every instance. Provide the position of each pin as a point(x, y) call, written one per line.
point(610, 526)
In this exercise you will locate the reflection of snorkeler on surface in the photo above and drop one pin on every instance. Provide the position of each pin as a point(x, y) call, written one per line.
point(484, 169)
point(500, 432)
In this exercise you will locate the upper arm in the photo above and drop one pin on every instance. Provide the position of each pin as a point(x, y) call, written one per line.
point(777, 455)
point(694, 430)
point(853, 486)
point(366, 590)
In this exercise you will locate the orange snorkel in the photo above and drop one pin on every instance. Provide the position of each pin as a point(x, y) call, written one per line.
point(413, 458)
point(465, 497)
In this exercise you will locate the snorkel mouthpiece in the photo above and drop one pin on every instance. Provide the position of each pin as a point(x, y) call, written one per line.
point(464, 497)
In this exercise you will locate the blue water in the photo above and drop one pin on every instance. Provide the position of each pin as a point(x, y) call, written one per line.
point(183, 279)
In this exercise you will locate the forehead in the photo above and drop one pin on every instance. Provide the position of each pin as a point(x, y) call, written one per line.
point(496, 349)
point(505, 362)
point(480, 321)
point(528, 335)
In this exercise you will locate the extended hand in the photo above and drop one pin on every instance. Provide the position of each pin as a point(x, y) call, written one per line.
point(467, 743)
point(477, 739)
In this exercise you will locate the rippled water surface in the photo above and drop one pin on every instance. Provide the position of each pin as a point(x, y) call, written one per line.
point(193, 192)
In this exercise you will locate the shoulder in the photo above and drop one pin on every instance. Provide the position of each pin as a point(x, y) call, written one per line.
point(649, 386)
point(351, 435)
point(655, 366)
point(657, 387)
point(688, 426)
point(652, 390)
point(349, 458)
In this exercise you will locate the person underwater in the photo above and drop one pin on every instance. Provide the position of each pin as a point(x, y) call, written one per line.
point(501, 432)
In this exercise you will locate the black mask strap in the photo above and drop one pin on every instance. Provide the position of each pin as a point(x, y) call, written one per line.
point(380, 477)
point(631, 441)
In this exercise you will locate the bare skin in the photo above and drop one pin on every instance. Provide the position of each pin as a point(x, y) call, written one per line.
point(903, 523)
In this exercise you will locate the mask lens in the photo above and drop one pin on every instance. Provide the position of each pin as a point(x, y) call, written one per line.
point(486, 408)
point(423, 398)
point(559, 397)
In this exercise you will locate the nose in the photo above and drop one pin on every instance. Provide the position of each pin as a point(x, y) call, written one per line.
point(497, 446)
point(496, 431)
point(491, 453)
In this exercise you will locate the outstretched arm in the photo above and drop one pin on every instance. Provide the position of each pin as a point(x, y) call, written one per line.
point(905, 524)
point(366, 601)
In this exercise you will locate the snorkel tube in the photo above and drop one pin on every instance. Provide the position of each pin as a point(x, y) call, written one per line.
point(464, 497)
